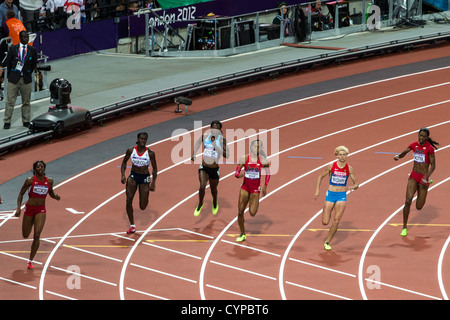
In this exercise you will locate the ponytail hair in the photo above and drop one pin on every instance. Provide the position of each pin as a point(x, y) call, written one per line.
point(431, 141)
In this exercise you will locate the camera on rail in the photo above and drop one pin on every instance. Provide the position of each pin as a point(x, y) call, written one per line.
point(60, 116)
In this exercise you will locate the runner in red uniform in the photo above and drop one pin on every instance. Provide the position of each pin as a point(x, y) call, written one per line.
point(251, 187)
point(419, 179)
point(38, 186)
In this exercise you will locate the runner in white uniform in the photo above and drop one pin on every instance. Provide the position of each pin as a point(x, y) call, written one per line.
point(139, 177)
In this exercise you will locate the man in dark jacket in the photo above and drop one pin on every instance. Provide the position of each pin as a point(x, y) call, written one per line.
point(20, 63)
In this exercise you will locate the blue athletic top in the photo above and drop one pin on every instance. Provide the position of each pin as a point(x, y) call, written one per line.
point(210, 150)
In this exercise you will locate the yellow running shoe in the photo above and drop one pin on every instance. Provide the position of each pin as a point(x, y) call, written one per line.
point(241, 238)
point(198, 210)
point(404, 232)
point(327, 246)
point(215, 210)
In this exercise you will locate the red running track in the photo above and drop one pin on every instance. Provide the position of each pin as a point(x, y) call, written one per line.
point(175, 255)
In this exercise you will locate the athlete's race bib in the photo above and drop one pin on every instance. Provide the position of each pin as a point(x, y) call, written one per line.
point(419, 157)
point(40, 190)
point(211, 153)
point(252, 174)
point(338, 179)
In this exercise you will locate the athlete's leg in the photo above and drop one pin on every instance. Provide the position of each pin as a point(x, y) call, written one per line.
point(422, 192)
point(27, 225)
point(253, 204)
point(339, 209)
point(326, 212)
point(144, 190)
point(203, 178)
point(39, 222)
point(410, 191)
point(242, 204)
point(131, 188)
point(213, 183)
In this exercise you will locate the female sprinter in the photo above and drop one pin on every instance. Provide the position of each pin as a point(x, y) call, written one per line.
point(419, 179)
point(251, 187)
point(215, 146)
point(38, 187)
point(336, 197)
point(141, 156)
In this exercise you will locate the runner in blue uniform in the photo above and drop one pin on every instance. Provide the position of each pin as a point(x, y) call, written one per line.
point(215, 146)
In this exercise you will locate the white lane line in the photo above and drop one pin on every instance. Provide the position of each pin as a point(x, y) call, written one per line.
point(301, 230)
point(232, 292)
point(170, 138)
point(244, 270)
point(215, 242)
point(61, 241)
point(146, 294)
point(316, 290)
point(250, 248)
point(369, 242)
point(322, 267)
point(294, 239)
point(163, 273)
point(133, 248)
point(439, 271)
point(171, 250)
point(84, 276)
point(372, 281)
point(18, 283)
point(60, 295)
point(91, 252)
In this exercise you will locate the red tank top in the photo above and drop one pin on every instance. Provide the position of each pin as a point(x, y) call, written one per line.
point(38, 189)
point(252, 170)
point(339, 176)
point(421, 152)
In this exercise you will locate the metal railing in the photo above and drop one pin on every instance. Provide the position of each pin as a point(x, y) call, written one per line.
point(302, 22)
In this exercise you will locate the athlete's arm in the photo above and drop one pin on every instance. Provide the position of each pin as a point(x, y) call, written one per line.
point(22, 191)
point(266, 166)
point(432, 166)
point(319, 180)
point(51, 192)
point(224, 150)
point(124, 164)
point(239, 173)
point(196, 147)
point(352, 176)
point(154, 169)
point(401, 155)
